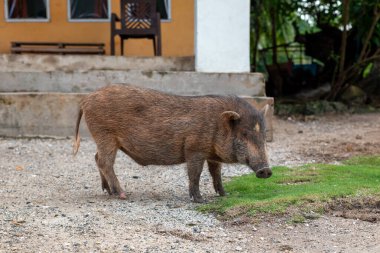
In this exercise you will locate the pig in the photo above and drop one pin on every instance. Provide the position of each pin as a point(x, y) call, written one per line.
point(156, 128)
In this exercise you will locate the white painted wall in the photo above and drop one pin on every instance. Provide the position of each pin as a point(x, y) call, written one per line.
point(222, 35)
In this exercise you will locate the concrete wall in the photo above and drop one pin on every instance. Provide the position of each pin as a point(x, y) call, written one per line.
point(222, 35)
point(38, 114)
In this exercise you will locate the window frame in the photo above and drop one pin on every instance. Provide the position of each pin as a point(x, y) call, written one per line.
point(90, 20)
point(75, 20)
point(32, 20)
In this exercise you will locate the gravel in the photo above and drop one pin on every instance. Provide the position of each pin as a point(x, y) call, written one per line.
point(51, 201)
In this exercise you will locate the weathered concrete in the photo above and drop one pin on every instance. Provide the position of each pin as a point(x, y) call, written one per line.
point(38, 114)
point(54, 114)
point(85, 63)
point(182, 83)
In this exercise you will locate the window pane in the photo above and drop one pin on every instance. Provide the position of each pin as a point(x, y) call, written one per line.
point(24, 9)
point(162, 8)
point(89, 9)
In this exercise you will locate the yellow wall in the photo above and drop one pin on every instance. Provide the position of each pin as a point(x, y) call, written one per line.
point(177, 34)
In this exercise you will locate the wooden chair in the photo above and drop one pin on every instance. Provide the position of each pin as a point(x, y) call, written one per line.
point(139, 19)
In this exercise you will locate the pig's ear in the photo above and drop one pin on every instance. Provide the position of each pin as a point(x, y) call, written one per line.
point(228, 117)
point(264, 110)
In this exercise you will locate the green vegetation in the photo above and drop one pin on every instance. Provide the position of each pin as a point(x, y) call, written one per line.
point(276, 24)
point(318, 107)
point(305, 189)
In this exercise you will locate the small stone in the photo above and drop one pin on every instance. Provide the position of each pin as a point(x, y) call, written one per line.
point(196, 230)
point(238, 248)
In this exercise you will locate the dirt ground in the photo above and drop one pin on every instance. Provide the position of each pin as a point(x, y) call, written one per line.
point(52, 202)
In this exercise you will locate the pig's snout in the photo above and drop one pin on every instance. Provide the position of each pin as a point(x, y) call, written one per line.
point(264, 173)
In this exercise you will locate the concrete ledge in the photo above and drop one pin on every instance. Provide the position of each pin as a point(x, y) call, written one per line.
point(38, 114)
point(85, 63)
point(54, 114)
point(182, 83)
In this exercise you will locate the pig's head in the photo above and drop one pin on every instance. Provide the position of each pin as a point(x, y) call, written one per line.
point(244, 139)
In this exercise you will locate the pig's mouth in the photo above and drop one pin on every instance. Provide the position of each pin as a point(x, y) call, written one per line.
point(264, 173)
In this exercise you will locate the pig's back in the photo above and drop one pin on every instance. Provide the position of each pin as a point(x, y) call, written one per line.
point(128, 104)
point(146, 121)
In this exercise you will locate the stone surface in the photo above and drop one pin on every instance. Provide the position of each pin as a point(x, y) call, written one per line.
point(85, 63)
point(38, 114)
point(179, 82)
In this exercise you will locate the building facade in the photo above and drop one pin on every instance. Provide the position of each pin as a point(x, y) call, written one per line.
point(88, 21)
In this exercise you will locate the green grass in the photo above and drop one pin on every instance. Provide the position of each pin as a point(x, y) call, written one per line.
point(305, 187)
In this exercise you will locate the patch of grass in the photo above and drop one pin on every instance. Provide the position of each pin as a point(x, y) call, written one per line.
point(304, 188)
point(298, 218)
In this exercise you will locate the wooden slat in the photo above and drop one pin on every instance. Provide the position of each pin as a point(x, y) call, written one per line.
point(18, 44)
point(57, 50)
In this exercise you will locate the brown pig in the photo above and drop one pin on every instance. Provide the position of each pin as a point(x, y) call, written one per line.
point(155, 128)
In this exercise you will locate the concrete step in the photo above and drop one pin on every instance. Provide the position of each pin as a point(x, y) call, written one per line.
point(177, 82)
point(32, 114)
point(85, 63)
point(40, 94)
point(54, 114)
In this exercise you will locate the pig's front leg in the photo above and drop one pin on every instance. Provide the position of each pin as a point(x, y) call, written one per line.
point(215, 169)
point(194, 171)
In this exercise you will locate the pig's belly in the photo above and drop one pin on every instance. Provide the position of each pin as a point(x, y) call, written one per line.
point(153, 155)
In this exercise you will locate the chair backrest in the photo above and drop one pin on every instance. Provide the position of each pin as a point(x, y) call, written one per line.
point(139, 16)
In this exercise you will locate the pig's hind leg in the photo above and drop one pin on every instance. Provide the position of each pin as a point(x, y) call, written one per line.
point(105, 185)
point(215, 170)
point(105, 159)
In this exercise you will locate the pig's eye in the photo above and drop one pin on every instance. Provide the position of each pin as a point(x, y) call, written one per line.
point(257, 127)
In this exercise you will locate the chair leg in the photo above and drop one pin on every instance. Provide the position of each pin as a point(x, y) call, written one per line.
point(158, 35)
point(121, 46)
point(112, 45)
point(154, 46)
point(159, 45)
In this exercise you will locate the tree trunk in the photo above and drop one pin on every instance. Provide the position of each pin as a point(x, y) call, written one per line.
point(339, 79)
point(274, 37)
point(257, 34)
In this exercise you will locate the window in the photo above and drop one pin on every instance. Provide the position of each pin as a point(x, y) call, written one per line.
point(89, 10)
point(100, 10)
point(27, 10)
point(163, 7)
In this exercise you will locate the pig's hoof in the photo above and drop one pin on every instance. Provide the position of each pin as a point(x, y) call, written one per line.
point(122, 195)
point(198, 200)
point(221, 192)
point(106, 187)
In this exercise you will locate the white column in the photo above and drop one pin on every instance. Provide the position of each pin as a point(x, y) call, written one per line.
point(222, 35)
